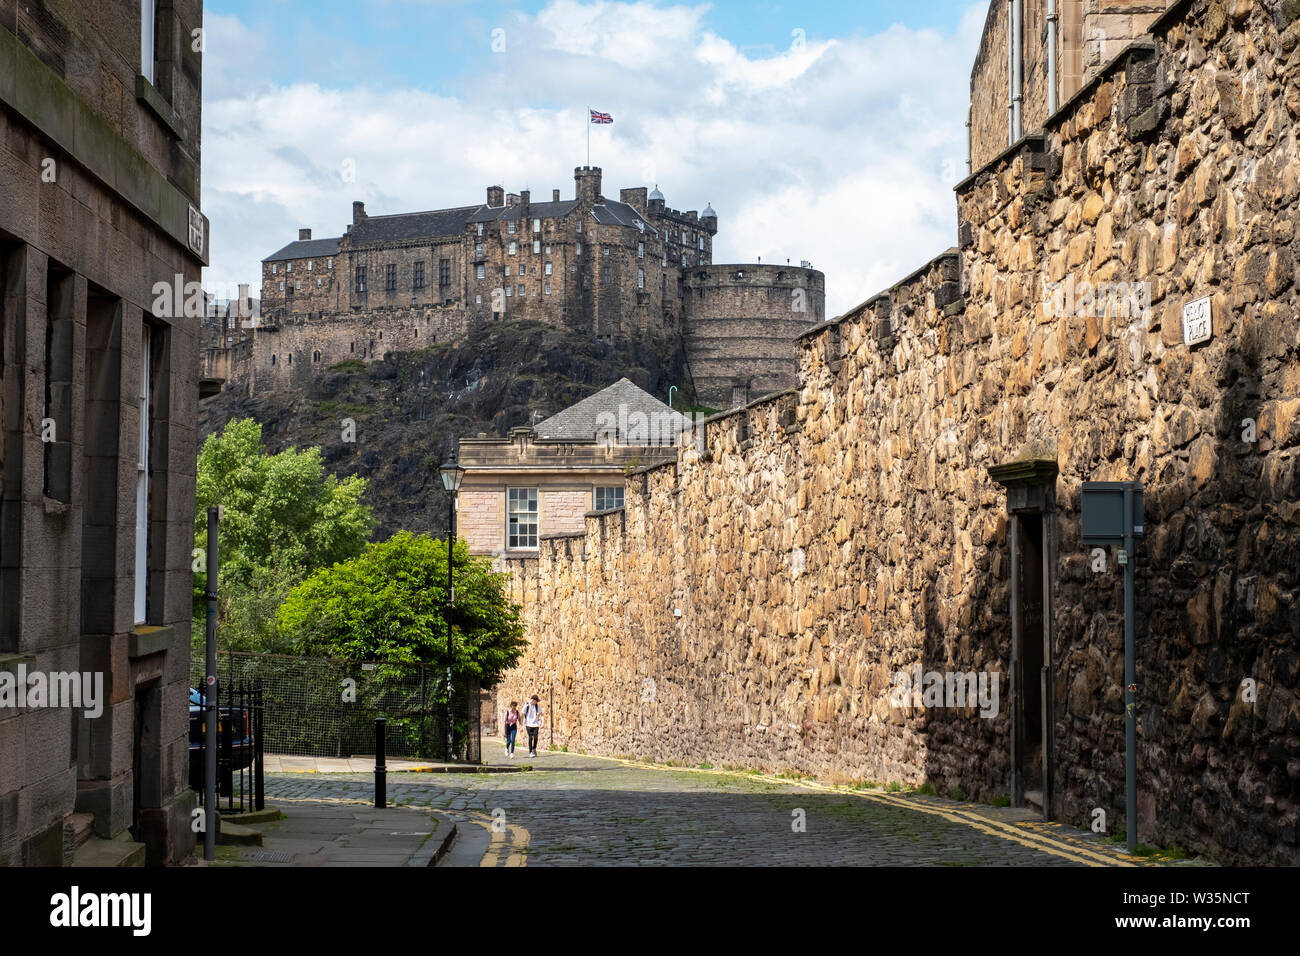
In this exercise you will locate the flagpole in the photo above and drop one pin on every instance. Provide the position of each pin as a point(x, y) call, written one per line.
point(588, 137)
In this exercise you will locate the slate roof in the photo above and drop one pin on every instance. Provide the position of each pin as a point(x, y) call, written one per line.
point(610, 213)
point(307, 249)
point(616, 405)
point(413, 225)
point(538, 210)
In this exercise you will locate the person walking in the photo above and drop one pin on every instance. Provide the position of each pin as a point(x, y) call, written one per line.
point(533, 723)
point(512, 727)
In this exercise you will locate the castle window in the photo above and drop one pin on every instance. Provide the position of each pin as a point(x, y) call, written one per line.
point(548, 268)
point(281, 285)
point(444, 272)
point(319, 282)
point(289, 292)
point(701, 243)
point(290, 358)
point(683, 260)
point(478, 299)
point(537, 225)
point(640, 278)
point(352, 346)
point(514, 248)
point(665, 259)
point(381, 336)
point(273, 359)
point(579, 248)
point(361, 278)
point(510, 227)
point(640, 250)
point(579, 225)
point(607, 275)
point(329, 263)
point(309, 265)
point(481, 272)
point(417, 275)
point(548, 250)
point(480, 228)
point(537, 247)
point(510, 291)
point(274, 268)
point(315, 356)
point(478, 250)
point(547, 288)
point(522, 290)
point(390, 277)
point(288, 267)
point(148, 15)
point(605, 251)
point(507, 270)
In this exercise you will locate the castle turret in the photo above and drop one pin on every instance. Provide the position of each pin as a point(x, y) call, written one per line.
point(586, 182)
point(709, 220)
point(358, 212)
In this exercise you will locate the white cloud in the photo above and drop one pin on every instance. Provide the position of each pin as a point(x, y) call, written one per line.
point(843, 151)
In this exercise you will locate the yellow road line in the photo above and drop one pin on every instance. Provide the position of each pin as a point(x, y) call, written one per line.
point(518, 838)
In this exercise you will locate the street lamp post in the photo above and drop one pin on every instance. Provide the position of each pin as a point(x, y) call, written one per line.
point(452, 472)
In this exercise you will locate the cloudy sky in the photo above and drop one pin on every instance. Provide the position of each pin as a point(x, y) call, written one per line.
point(828, 131)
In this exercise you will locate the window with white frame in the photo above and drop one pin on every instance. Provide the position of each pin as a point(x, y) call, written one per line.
point(537, 225)
point(640, 250)
point(510, 291)
point(510, 227)
point(608, 497)
point(514, 248)
point(548, 268)
point(310, 263)
point(537, 247)
point(478, 299)
point(579, 225)
point(701, 243)
point(546, 287)
point(640, 278)
point(579, 252)
point(148, 24)
point(521, 517)
point(481, 271)
point(507, 270)
point(275, 268)
point(480, 228)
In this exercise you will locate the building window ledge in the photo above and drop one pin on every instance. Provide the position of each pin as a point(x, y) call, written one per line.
point(148, 639)
point(148, 94)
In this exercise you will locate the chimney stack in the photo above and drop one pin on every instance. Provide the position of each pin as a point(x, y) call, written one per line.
point(496, 197)
point(512, 199)
point(358, 212)
point(524, 197)
point(304, 235)
point(555, 195)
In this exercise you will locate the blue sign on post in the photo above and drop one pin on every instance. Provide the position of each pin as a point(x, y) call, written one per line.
point(1102, 507)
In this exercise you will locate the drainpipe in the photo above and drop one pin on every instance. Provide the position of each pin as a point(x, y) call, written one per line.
point(1052, 18)
point(1018, 59)
point(969, 143)
point(1011, 76)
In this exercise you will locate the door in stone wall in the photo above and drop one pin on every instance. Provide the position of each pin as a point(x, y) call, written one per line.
point(1031, 716)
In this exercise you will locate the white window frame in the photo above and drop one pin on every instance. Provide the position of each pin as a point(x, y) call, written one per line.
point(537, 225)
point(537, 247)
point(309, 264)
point(640, 278)
point(522, 502)
point(142, 480)
point(148, 52)
point(514, 248)
point(548, 268)
point(603, 505)
point(481, 271)
point(510, 227)
point(547, 288)
point(640, 250)
point(480, 228)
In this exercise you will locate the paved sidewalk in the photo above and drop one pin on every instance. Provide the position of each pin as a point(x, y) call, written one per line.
point(332, 832)
point(283, 763)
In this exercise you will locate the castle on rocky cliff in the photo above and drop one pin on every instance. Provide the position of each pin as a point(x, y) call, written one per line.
point(609, 268)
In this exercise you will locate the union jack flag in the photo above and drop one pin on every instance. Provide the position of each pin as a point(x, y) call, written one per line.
point(600, 118)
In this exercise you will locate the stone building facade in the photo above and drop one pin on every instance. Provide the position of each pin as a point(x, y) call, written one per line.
point(604, 267)
point(755, 602)
point(99, 170)
point(1013, 69)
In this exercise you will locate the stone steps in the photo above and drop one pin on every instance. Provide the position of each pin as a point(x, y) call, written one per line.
point(98, 852)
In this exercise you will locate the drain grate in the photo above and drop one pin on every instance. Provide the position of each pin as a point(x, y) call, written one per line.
point(267, 856)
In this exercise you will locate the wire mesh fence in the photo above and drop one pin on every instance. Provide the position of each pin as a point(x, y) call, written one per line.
point(318, 707)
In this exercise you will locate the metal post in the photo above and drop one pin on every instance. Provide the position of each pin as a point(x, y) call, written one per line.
point(259, 743)
point(210, 699)
point(381, 765)
point(451, 596)
point(1130, 676)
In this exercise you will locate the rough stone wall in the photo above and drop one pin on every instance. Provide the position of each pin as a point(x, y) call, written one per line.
point(829, 538)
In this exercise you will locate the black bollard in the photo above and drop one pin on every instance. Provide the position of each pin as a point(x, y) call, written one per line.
point(381, 768)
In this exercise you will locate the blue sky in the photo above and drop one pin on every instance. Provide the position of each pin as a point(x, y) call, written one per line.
point(824, 131)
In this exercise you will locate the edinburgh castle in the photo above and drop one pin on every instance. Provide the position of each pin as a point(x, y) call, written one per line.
point(608, 269)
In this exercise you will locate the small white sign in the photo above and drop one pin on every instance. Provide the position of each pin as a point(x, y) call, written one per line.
point(196, 231)
point(1197, 324)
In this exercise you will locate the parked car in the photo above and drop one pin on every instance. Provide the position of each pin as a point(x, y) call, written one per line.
point(237, 757)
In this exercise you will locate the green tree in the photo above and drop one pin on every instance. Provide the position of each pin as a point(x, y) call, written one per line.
point(283, 518)
point(388, 604)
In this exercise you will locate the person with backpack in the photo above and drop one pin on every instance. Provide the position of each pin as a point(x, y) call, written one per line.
point(512, 727)
point(533, 723)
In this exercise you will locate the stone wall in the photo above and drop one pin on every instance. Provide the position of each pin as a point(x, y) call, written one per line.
point(753, 603)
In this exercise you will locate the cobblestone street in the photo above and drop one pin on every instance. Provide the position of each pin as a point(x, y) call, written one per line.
point(579, 810)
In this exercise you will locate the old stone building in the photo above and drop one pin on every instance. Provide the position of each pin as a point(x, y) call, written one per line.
point(99, 234)
point(758, 597)
point(1034, 55)
point(608, 268)
point(544, 479)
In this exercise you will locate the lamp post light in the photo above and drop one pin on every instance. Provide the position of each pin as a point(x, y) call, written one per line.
point(452, 473)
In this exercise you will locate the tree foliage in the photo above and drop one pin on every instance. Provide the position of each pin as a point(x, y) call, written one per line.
point(283, 518)
point(389, 604)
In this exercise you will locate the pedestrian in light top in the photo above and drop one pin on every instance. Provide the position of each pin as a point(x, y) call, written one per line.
point(532, 723)
point(512, 727)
